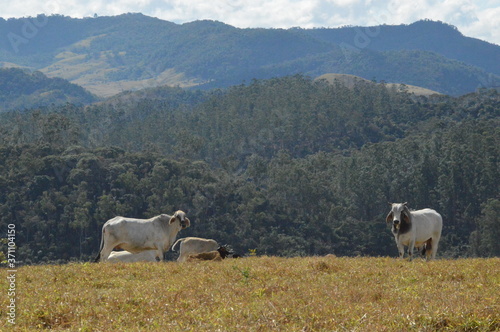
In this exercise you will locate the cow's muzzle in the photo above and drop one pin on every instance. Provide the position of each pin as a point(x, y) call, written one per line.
point(396, 224)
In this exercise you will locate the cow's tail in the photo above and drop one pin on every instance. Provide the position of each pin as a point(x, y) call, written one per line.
point(98, 257)
point(180, 240)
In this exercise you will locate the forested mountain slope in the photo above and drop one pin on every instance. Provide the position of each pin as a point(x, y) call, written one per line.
point(424, 35)
point(108, 55)
point(287, 166)
point(21, 89)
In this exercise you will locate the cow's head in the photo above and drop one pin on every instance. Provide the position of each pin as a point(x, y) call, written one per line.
point(399, 215)
point(181, 216)
point(223, 251)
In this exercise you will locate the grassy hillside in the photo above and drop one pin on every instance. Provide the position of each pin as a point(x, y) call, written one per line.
point(260, 294)
point(351, 80)
point(108, 55)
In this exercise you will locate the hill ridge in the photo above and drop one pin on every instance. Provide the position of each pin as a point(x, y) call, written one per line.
point(129, 51)
point(20, 88)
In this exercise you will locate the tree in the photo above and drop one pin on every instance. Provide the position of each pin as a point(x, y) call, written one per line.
point(484, 241)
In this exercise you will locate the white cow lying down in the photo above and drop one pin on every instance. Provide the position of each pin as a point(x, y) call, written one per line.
point(128, 257)
point(193, 246)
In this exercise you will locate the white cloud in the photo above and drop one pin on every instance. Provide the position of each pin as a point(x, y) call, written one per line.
point(257, 13)
point(473, 18)
point(486, 26)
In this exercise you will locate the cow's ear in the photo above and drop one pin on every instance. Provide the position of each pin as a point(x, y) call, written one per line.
point(172, 220)
point(406, 216)
point(389, 217)
point(187, 221)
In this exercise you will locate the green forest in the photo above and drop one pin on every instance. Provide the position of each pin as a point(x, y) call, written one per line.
point(287, 166)
point(21, 88)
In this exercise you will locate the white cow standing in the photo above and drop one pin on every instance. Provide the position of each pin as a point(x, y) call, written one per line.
point(420, 228)
point(137, 235)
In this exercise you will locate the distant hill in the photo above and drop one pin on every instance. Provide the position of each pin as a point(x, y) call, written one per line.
point(21, 89)
point(108, 55)
point(424, 35)
point(351, 80)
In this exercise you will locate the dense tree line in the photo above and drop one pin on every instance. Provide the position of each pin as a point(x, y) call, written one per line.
point(286, 166)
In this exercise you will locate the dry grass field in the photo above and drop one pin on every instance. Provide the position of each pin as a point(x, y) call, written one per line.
point(351, 80)
point(92, 73)
point(259, 294)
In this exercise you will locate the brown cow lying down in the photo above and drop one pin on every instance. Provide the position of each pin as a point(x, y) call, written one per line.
point(216, 255)
point(205, 256)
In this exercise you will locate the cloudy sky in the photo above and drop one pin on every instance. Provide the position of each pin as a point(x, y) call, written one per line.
point(479, 19)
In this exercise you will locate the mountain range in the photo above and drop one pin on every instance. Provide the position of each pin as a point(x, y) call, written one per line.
point(108, 55)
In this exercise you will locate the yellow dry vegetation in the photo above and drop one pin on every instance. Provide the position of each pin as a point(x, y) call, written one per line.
point(260, 294)
point(107, 89)
point(351, 80)
point(91, 72)
point(417, 90)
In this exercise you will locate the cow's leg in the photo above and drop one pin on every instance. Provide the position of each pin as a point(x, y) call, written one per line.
point(159, 255)
point(105, 252)
point(108, 243)
point(421, 250)
point(401, 249)
point(434, 248)
point(428, 255)
point(429, 249)
point(411, 247)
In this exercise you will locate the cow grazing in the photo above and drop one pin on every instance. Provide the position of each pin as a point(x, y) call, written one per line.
point(421, 229)
point(137, 235)
point(128, 257)
point(194, 245)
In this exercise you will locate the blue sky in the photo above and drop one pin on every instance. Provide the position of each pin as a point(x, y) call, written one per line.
point(478, 19)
